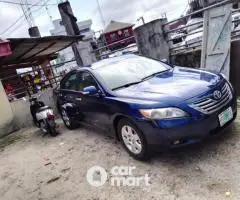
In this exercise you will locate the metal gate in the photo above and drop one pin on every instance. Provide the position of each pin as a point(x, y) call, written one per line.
point(217, 39)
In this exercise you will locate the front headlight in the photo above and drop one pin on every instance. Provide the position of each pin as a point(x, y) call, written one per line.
point(225, 77)
point(163, 113)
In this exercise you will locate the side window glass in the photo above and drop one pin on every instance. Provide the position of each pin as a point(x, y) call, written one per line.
point(70, 82)
point(85, 80)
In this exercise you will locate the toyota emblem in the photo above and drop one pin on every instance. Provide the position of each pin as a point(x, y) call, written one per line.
point(217, 95)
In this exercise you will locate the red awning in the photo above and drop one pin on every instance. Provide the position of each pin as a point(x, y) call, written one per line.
point(5, 49)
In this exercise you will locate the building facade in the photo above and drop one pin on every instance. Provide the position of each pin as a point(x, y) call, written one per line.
point(85, 46)
point(115, 32)
point(84, 27)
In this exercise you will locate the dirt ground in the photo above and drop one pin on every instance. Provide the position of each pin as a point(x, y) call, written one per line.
point(37, 167)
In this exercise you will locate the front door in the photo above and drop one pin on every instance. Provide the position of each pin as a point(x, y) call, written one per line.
point(66, 95)
point(93, 108)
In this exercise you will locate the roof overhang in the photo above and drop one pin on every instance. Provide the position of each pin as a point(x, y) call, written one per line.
point(114, 26)
point(27, 52)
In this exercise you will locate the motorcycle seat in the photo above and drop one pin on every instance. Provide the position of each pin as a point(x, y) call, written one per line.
point(43, 108)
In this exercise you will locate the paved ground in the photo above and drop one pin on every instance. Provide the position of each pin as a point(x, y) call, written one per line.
point(36, 167)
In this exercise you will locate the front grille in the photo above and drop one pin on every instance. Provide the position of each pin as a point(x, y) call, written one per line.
point(209, 105)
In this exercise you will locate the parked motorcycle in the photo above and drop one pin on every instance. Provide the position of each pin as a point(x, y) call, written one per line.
point(43, 116)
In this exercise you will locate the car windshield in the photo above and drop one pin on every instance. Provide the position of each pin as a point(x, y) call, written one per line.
point(129, 71)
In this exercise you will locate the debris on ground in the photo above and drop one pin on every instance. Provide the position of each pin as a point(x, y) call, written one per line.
point(49, 163)
point(53, 179)
point(65, 170)
point(70, 149)
point(228, 193)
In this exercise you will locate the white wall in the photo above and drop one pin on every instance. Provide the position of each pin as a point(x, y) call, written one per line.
point(21, 109)
point(16, 115)
point(6, 114)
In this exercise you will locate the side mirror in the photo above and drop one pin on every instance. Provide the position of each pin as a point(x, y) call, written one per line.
point(91, 90)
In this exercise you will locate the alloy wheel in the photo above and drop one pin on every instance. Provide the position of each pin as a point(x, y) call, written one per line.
point(131, 139)
point(65, 118)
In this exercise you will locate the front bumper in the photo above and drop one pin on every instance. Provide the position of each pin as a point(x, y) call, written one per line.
point(189, 131)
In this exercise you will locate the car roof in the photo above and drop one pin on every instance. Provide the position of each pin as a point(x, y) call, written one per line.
point(107, 61)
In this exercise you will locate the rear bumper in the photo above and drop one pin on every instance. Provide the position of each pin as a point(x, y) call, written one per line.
point(191, 132)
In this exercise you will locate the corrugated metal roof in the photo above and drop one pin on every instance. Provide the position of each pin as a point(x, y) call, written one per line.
point(114, 26)
point(32, 51)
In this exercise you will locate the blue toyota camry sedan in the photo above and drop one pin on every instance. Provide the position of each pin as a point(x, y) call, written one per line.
point(147, 104)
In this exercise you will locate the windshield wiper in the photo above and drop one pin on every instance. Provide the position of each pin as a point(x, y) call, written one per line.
point(127, 85)
point(154, 74)
point(143, 79)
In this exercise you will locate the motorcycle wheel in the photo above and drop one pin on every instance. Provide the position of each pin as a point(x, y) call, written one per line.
point(53, 131)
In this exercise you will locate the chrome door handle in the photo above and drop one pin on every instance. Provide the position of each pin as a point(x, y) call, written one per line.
point(78, 99)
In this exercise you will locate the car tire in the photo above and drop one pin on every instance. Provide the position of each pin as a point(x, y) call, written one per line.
point(133, 139)
point(69, 123)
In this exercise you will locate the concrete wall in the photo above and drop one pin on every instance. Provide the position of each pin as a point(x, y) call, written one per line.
point(85, 50)
point(6, 114)
point(151, 41)
point(21, 108)
point(16, 115)
point(21, 114)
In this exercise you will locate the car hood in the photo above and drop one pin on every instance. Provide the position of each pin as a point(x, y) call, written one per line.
point(178, 84)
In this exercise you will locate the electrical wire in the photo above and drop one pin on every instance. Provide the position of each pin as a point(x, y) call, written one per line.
point(28, 4)
point(48, 12)
point(25, 13)
point(8, 28)
point(187, 5)
point(16, 28)
point(167, 13)
point(101, 13)
point(30, 17)
point(22, 16)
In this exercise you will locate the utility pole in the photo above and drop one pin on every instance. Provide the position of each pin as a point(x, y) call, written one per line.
point(33, 30)
point(25, 15)
point(28, 12)
point(69, 21)
point(48, 12)
point(101, 14)
point(164, 15)
point(142, 19)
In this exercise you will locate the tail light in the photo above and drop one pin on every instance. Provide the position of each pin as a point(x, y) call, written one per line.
point(51, 116)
